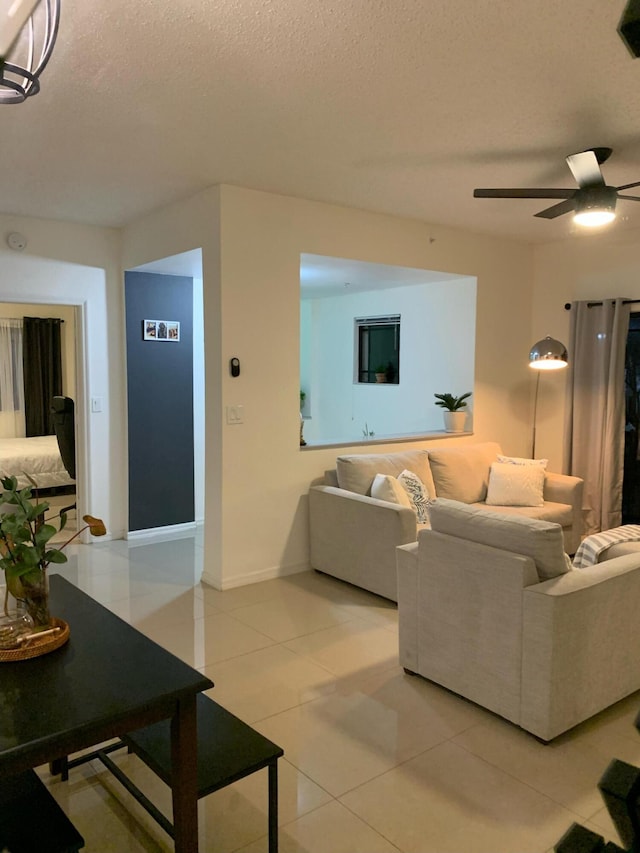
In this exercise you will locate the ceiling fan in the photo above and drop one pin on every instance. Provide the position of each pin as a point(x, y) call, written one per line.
point(594, 202)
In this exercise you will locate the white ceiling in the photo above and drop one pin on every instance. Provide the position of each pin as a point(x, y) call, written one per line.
point(322, 276)
point(399, 106)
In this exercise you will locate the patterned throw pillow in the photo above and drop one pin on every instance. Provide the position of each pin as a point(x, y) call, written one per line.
point(418, 495)
point(517, 460)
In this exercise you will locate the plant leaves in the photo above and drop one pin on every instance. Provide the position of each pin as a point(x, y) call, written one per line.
point(450, 402)
point(44, 533)
point(96, 525)
point(55, 556)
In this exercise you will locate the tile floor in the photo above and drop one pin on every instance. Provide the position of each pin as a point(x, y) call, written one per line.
point(375, 760)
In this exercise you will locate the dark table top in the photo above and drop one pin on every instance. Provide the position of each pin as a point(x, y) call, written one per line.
point(105, 675)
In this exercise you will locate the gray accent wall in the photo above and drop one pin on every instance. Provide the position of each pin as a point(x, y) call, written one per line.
point(160, 402)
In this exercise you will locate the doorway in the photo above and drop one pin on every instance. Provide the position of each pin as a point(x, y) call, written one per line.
point(170, 373)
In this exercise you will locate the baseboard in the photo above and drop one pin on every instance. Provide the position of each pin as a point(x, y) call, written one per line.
point(257, 576)
point(161, 534)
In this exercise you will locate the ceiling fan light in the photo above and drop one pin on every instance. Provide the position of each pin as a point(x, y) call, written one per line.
point(594, 218)
point(595, 206)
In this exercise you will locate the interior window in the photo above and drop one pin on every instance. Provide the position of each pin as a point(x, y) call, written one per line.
point(378, 349)
point(414, 328)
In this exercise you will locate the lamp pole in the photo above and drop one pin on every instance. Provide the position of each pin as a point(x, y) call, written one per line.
point(535, 413)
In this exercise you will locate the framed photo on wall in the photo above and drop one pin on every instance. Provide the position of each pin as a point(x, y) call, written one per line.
point(160, 330)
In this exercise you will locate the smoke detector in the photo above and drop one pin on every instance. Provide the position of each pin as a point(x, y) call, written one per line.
point(16, 241)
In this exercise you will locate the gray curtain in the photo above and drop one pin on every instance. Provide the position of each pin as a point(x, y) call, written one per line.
point(595, 408)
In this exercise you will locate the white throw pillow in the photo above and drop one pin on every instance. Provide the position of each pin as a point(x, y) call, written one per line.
point(417, 493)
point(515, 485)
point(387, 488)
point(517, 460)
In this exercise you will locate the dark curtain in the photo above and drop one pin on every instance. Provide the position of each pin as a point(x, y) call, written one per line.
point(42, 361)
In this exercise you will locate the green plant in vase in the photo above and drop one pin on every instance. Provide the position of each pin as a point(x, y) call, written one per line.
point(25, 552)
point(454, 415)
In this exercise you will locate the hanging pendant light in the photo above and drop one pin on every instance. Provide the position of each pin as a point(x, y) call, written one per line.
point(32, 48)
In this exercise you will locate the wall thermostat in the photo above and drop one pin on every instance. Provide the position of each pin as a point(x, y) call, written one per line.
point(234, 366)
point(16, 241)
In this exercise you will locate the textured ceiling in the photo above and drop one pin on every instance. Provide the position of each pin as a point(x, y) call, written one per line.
point(398, 106)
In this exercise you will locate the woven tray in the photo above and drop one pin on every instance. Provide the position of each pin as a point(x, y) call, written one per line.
point(36, 647)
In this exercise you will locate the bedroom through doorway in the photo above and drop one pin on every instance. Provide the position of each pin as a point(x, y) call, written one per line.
point(38, 456)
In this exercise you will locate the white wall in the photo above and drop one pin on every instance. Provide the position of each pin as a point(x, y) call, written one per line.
point(339, 407)
point(67, 264)
point(590, 266)
point(266, 475)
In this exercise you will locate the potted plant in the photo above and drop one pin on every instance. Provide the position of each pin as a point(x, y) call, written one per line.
point(25, 553)
point(454, 417)
point(381, 373)
point(303, 397)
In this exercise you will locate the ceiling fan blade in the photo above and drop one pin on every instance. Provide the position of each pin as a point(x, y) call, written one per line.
point(558, 209)
point(630, 197)
point(522, 193)
point(585, 169)
point(628, 186)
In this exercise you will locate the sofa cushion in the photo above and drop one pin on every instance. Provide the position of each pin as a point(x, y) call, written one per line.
point(356, 473)
point(462, 473)
point(550, 511)
point(388, 488)
point(515, 485)
point(540, 540)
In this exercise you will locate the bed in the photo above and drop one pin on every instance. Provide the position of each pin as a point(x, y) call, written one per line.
point(38, 456)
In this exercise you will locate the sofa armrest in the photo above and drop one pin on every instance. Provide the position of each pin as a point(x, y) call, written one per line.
point(354, 537)
point(407, 570)
point(564, 489)
point(460, 617)
point(581, 646)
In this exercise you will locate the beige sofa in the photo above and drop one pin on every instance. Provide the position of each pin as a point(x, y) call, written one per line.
point(354, 536)
point(480, 616)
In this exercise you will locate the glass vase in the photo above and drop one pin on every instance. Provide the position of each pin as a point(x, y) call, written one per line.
point(31, 594)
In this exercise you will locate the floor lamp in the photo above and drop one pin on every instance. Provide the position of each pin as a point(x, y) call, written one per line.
point(547, 354)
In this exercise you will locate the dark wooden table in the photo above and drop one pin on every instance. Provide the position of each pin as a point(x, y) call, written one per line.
point(109, 679)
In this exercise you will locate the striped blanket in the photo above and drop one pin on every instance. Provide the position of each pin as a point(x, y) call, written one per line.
point(592, 546)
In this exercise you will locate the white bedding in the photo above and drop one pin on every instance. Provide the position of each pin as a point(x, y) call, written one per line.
point(39, 457)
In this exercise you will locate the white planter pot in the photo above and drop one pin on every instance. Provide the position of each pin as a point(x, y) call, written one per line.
point(454, 421)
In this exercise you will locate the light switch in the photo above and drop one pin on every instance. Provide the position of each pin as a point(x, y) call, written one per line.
point(235, 414)
point(96, 404)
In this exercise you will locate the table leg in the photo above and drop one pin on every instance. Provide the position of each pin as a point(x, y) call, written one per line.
point(273, 806)
point(184, 776)
point(60, 767)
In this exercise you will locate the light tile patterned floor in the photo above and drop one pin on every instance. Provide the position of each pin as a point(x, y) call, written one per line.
point(375, 760)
